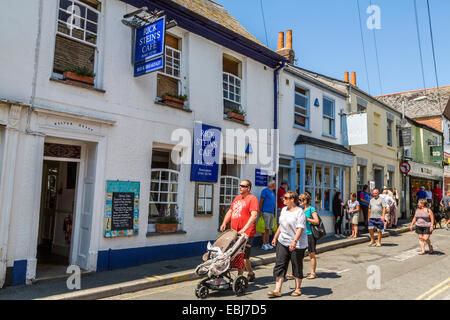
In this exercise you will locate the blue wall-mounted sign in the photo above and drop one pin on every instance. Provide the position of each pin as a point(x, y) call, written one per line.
point(149, 47)
point(261, 179)
point(205, 153)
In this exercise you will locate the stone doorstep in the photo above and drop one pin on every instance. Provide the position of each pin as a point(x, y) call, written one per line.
point(157, 281)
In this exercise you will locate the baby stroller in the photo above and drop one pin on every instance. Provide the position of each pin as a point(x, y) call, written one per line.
point(217, 265)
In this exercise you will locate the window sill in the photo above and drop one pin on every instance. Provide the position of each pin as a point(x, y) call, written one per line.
point(157, 234)
point(196, 215)
point(302, 128)
point(328, 136)
point(176, 108)
point(77, 85)
point(236, 121)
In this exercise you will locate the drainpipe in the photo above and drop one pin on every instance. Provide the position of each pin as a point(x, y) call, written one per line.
point(275, 125)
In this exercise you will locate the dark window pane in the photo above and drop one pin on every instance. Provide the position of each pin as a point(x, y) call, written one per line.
point(299, 120)
point(92, 38)
point(64, 4)
point(328, 108)
point(300, 110)
point(301, 101)
point(62, 27)
point(92, 16)
point(92, 27)
point(301, 91)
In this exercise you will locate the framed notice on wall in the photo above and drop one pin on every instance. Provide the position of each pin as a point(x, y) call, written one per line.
point(122, 209)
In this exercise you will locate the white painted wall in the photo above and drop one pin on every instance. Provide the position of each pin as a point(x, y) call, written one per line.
point(124, 118)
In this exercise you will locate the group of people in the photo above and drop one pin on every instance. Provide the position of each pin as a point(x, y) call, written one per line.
point(296, 218)
point(433, 197)
point(293, 235)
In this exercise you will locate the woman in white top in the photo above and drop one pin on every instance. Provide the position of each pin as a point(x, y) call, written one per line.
point(353, 212)
point(291, 242)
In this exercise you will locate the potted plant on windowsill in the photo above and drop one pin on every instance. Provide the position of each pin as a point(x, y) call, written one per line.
point(174, 100)
point(167, 224)
point(236, 114)
point(79, 75)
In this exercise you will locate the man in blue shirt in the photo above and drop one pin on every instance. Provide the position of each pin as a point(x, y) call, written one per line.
point(364, 200)
point(267, 210)
point(421, 194)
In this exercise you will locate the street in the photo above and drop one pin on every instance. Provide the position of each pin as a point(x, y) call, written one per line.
point(346, 274)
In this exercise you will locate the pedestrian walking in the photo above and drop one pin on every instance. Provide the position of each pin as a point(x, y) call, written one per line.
point(280, 196)
point(421, 194)
point(364, 200)
point(429, 197)
point(424, 221)
point(353, 211)
point(338, 206)
point(396, 196)
point(437, 197)
point(291, 242)
point(390, 209)
point(377, 212)
point(445, 203)
point(312, 218)
point(242, 214)
point(267, 212)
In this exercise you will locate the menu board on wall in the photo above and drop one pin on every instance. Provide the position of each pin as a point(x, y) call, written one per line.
point(122, 209)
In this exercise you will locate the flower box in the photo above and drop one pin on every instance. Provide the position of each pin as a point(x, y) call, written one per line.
point(166, 227)
point(236, 116)
point(76, 78)
point(172, 101)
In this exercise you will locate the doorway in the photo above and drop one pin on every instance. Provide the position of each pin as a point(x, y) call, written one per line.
point(55, 236)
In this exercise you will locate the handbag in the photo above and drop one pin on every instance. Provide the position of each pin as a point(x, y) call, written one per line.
point(318, 231)
point(260, 225)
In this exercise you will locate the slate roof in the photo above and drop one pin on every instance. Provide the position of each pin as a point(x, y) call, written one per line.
point(218, 14)
point(434, 105)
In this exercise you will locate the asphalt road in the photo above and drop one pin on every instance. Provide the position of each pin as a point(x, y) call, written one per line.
point(394, 271)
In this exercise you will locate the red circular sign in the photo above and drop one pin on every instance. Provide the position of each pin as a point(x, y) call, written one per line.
point(405, 167)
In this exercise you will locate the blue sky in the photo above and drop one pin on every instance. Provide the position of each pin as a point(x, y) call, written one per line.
point(327, 38)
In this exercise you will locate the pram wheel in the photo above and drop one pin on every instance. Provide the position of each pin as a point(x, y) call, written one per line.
point(240, 285)
point(201, 292)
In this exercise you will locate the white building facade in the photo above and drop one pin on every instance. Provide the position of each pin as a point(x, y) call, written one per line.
point(63, 144)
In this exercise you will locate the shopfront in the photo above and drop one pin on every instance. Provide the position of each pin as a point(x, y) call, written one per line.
point(320, 170)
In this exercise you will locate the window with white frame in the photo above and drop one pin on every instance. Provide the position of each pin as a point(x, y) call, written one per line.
point(204, 194)
point(301, 107)
point(229, 186)
point(169, 80)
point(360, 177)
point(76, 36)
point(232, 84)
point(328, 116)
point(164, 186)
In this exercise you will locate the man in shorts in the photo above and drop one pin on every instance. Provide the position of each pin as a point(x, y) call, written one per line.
point(377, 213)
point(243, 213)
point(267, 211)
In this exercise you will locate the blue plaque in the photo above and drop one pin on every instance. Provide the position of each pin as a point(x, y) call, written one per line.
point(205, 153)
point(260, 178)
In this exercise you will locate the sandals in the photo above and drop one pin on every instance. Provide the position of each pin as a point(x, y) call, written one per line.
point(251, 277)
point(296, 293)
point(311, 276)
point(421, 254)
point(274, 294)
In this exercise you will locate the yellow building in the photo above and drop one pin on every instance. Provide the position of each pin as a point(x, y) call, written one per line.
point(377, 162)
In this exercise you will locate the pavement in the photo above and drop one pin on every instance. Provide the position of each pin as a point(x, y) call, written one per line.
point(106, 284)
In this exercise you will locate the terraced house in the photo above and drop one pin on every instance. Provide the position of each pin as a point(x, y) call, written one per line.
point(86, 161)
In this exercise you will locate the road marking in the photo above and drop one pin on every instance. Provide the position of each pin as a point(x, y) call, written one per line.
point(445, 288)
point(436, 287)
point(406, 255)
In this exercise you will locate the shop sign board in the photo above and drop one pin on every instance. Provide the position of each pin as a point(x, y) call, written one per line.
point(261, 178)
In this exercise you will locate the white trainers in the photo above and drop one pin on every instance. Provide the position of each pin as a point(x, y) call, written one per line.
point(264, 246)
point(336, 235)
point(269, 246)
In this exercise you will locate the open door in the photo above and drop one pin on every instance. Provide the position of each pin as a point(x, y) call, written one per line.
point(85, 213)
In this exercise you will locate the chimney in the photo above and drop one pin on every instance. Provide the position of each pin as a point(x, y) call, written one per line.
point(346, 77)
point(280, 40)
point(354, 79)
point(287, 51)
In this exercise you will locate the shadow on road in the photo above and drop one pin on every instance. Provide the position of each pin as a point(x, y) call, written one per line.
point(327, 275)
point(389, 244)
point(316, 292)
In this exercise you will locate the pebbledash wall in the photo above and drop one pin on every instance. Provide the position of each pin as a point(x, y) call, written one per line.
point(116, 124)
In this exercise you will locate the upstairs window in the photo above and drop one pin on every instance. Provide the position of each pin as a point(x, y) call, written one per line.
point(328, 116)
point(301, 107)
point(169, 81)
point(232, 84)
point(76, 37)
point(389, 133)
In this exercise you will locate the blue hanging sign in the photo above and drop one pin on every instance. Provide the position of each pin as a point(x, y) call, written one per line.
point(205, 153)
point(149, 47)
point(260, 178)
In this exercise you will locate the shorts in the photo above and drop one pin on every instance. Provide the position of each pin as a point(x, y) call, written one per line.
point(423, 230)
point(282, 258)
point(268, 220)
point(355, 219)
point(248, 248)
point(376, 224)
point(311, 244)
